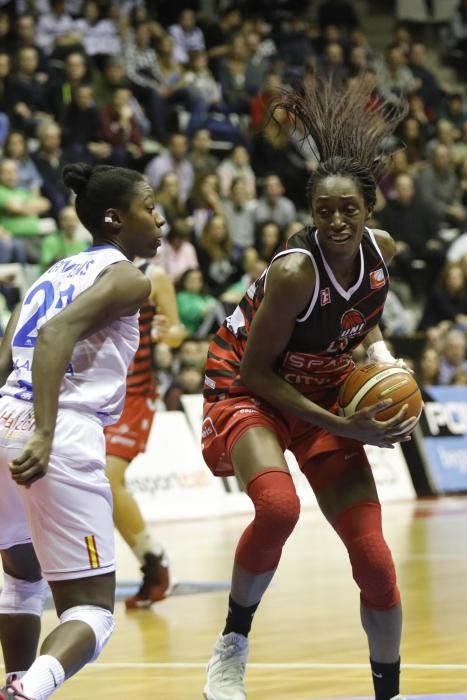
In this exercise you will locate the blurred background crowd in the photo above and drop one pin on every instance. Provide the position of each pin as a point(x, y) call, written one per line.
point(180, 91)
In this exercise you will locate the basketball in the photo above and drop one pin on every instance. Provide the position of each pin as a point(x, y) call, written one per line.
point(374, 382)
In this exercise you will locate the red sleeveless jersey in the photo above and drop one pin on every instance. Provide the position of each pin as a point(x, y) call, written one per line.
point(335, 321)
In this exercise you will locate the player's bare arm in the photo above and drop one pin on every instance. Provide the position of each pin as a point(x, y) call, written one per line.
point(171, 331)
point(288, 291)
point(118, 292)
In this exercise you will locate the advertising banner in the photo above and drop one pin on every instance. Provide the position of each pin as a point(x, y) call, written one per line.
point(442, 438)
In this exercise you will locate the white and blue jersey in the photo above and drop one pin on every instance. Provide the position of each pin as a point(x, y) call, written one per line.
point(94, 380)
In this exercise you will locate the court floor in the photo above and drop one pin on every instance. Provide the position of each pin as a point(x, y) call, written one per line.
point(307, 643)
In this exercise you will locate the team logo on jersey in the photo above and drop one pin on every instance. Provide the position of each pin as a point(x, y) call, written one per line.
point(352, 323)
point(377, 278)
point(325, 296)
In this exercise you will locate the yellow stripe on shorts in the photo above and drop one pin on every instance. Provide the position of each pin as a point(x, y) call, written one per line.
point(92, 551)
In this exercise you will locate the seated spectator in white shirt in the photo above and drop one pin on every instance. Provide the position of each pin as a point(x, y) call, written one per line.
point(54, 24)
point(188, 37)
point(99, 34)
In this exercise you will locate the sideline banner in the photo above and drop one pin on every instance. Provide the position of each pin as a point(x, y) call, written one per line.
point(442, 438)
point(171, 481)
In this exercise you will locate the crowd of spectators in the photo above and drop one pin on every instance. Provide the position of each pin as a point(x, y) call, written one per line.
point(182, 95)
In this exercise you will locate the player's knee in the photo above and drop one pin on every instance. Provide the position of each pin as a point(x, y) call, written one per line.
point(101, 622)
point(372, 565)
point(374, 572)
point(277, 507)
point(22, 597)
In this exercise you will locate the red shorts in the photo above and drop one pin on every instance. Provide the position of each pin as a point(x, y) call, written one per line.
point(225, 422)
point(128, 437)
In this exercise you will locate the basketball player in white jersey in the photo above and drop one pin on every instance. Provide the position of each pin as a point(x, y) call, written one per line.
point(69, 347)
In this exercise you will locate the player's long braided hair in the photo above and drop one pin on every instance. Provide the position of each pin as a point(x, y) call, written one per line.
point(346, 129)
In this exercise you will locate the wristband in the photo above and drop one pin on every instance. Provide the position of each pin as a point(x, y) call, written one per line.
point(378, 352)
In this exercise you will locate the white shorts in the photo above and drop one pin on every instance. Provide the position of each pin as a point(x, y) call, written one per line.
point(67, 514)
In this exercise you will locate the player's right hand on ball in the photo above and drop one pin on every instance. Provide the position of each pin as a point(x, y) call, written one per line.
point(366, 427)
point(33, 461)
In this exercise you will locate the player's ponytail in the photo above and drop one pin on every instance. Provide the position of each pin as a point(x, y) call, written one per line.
point(100, 188)
point(346, 129)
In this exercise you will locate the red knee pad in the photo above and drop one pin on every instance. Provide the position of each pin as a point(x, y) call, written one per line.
point(359, 527)
point(277, 509)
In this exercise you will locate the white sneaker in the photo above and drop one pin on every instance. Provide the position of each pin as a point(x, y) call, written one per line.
point(226, 668)
point(398, 697)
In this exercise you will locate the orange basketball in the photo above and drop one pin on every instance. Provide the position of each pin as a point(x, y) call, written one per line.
point(375, 382)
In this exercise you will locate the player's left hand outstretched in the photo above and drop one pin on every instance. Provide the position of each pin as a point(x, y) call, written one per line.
point(33, 461)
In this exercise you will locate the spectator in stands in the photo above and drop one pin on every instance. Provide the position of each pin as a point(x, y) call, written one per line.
point(395, 79)
point(6, 89)
point(274, 151)
point(49, 160)
point(457, 35)
point(187, 36)
point(453, 109)
point(202, 86)
point(99, 34)
point(217, 34)
point(20, 211)
point(438, 186)
point(429, 89)
point(259, 104)
point(16, 148)
point(448, 301)
point(333, 66)
point(273, 205)
point(54, 24)
point(268, 238)
point(446, 136)
point(215, 256)
point(205, 201)
point(253, 267)
point(200, 155)
point(174, 210)
point(64, 242)
point(143, 70)
point(398, 165)
point(358, 61)
point(30, 91)
point(188, 380)
point(200, 313)
point(173, 160)
point(413, 138)
point(295, 46)
point(64, 86)
point(26, 35)
point(427, 367)
point(120, 129)
point(239, 213)
point(460, 150)
point(237, 164)
point(413, 223)
point(240, 78)
point(82, 129)
point(453, 358)
point(177, 254)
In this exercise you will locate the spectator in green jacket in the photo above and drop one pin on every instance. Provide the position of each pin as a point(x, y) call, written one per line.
point(199, 312)
point(63, 243)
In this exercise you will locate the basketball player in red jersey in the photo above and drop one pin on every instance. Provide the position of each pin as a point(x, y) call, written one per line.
point(272, 378)
point(128, 437)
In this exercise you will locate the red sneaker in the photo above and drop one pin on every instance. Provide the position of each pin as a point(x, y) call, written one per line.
point(155, 585)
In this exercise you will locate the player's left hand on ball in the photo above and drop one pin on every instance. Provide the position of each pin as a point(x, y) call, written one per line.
point(33, 461)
